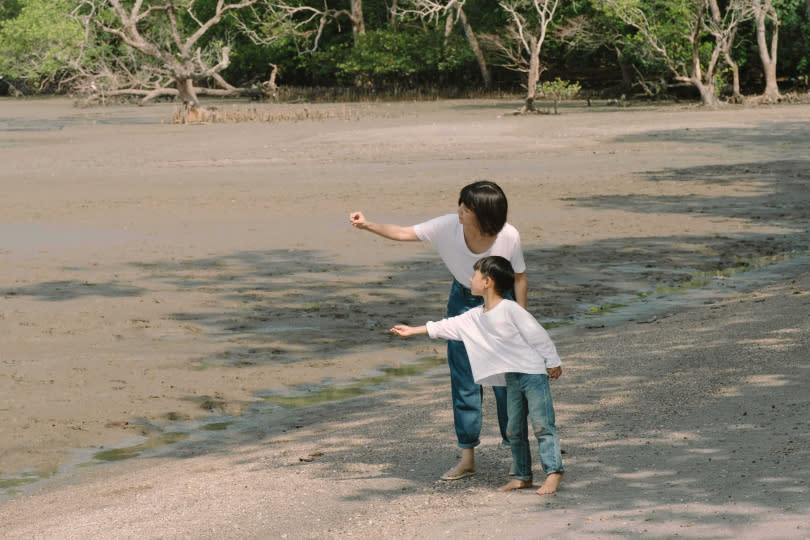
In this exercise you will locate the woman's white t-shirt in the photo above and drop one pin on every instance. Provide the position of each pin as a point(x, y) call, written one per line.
point(505, 339)
point(447, 235)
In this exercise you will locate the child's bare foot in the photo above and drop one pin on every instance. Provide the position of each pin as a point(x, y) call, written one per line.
point(514, 484)
point(551, 484)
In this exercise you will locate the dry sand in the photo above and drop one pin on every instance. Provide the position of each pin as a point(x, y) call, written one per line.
point(160, 279)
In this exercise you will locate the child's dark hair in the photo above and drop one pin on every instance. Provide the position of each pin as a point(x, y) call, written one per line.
point(488, 202)
point(499, 270)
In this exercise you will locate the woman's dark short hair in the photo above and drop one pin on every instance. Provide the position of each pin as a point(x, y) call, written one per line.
point(499, 270)
point(488, 202)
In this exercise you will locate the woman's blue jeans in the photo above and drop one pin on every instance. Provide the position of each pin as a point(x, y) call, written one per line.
point(467, 396)
point(529, 395)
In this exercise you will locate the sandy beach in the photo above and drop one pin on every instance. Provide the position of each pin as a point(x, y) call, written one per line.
point(195, 339)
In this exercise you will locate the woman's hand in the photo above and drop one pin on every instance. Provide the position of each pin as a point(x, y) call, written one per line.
point(357, 219)
point(555, 372)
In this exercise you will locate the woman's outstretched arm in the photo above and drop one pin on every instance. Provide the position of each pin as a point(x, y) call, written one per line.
point(390, 231)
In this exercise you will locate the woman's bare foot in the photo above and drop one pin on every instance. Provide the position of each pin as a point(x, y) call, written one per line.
point(514, 484)
point(551, 484)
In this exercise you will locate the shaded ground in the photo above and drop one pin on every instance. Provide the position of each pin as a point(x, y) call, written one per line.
point(690, 426)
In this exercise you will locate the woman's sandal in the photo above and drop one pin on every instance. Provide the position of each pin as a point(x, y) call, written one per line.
point(449, 476)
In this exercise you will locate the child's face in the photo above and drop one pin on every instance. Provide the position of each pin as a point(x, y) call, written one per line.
point(478, 283)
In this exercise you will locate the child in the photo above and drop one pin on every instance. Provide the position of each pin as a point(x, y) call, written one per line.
point(507, 345)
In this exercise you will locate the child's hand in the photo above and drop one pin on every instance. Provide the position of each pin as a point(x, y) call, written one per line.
point(402, 330)
point(555, 372)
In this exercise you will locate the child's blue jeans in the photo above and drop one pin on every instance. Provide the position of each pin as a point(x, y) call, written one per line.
point(467, 395)
point(529, 395)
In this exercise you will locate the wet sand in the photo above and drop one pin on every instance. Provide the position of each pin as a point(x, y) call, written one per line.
point(158, 279)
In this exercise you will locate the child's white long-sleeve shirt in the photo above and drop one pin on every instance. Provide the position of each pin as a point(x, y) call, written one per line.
point(505, 339)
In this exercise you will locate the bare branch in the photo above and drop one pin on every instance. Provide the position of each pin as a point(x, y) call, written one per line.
point(221, 11)
point(278, 20)
point(521, 45)
point(172, 57)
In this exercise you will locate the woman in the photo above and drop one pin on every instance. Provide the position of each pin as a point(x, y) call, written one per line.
point(478, 229)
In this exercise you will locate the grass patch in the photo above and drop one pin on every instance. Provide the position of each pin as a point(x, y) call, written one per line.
point(129, 452)
point(216, 426)
point(23, 479)
point(607, 307)
point(359, 387)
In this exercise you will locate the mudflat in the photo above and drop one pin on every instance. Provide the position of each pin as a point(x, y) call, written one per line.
point(192, 330)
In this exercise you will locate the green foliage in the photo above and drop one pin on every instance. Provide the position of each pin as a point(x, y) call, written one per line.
point(485, 16)
point(249, 62)
point(38, 45)
point(662, 23)
point(720, 84)
point(794, 37)
point(382, 59)
point(559, 90)
point(9, 9)
point(375, 13)
point(321, 67)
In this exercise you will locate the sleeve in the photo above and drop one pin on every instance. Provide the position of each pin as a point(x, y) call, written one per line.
point(517, 260)
point(508, 246)
point(447, 328)
point(430, 230)
point(534, 334)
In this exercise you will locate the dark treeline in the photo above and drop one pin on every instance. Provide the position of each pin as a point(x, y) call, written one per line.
point(712, 50)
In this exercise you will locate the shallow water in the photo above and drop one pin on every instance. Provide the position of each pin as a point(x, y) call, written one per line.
point(34, 237)
point(56, 124)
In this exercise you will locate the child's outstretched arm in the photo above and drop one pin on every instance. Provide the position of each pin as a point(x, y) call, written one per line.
point(403, 330)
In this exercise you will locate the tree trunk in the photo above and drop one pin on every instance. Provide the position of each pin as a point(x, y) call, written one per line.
point(186, 91)
point(476, 48)
point(358, 22)
point(708, 93)
point(395, 17)
point(724, 35)
point(626, 68)
point(763, 12)
point(534, 74)
point(736, 96)
point(771, 92)
point(448, 29)
point(704, 82)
